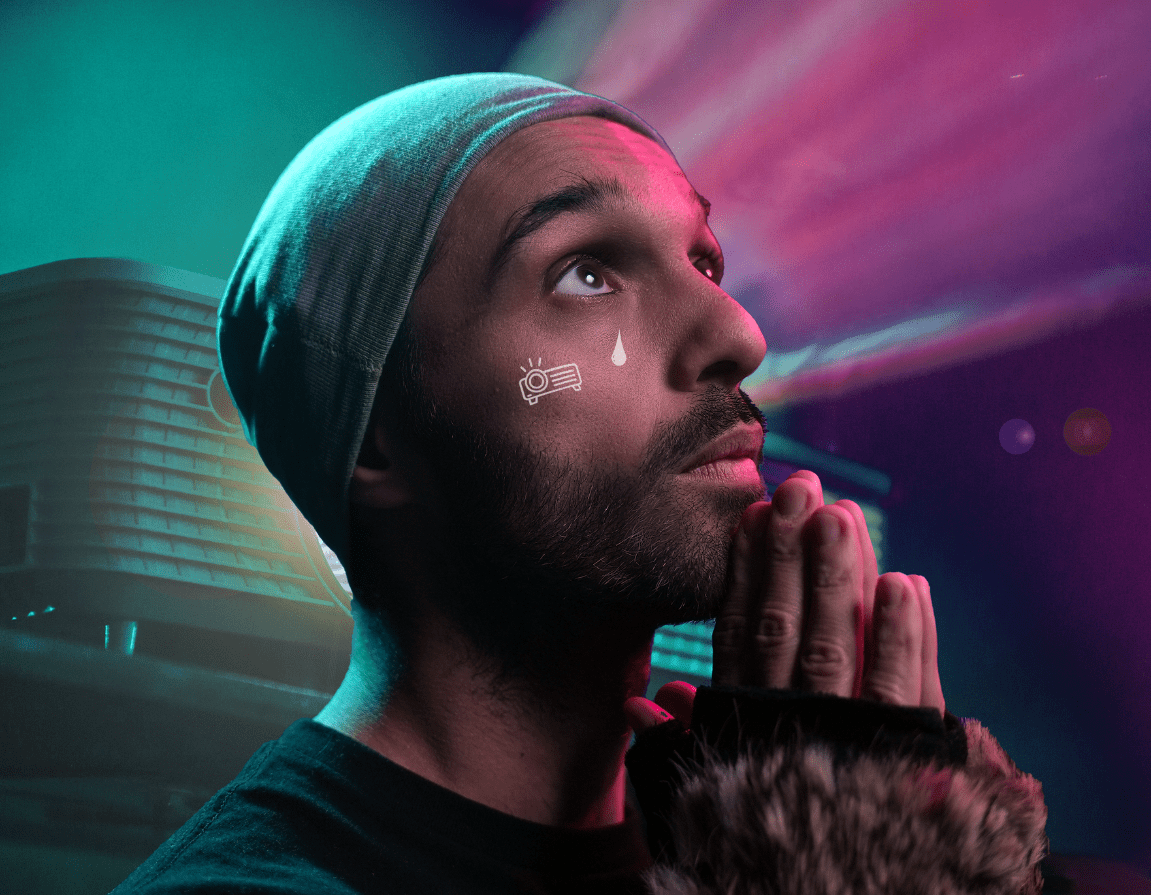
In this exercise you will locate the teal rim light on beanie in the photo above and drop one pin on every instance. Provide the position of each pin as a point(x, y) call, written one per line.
point(326, 273)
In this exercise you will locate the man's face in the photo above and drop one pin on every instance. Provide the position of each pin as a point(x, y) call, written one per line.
point(578, 367)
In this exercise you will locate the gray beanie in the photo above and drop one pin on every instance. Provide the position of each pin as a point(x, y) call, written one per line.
point(335, 253)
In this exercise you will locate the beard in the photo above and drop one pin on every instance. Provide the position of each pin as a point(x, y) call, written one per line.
point(529, 546)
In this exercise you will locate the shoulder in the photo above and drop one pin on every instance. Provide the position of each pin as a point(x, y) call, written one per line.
point(270, 831)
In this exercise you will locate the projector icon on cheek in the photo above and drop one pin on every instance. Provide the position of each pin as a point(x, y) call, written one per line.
point(538, 383)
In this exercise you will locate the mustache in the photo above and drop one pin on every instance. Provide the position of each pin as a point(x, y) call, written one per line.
point(716, 411)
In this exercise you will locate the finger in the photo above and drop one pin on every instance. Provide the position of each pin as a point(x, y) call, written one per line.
point(932, 691)
point(827, 656)
point(730, 636)
point(870, 568)
point(643, 714)
point(779, 619)
point(895, 674)
point(809, 476)
point(678, 697)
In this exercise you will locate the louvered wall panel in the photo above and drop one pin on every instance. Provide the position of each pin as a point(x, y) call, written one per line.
point(113, 421)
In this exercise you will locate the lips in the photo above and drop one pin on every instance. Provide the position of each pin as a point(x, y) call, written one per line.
point(741, 443)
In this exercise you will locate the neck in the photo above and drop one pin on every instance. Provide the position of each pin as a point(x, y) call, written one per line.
point(547, 748)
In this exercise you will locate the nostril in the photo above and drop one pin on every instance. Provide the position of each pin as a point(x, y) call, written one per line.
point(723, 371)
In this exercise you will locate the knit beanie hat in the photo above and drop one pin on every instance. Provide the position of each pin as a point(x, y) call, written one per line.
point(327, 271)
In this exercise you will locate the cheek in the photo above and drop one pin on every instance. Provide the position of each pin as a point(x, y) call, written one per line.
point(599, 396)
point(540, 381)
point(584, 391)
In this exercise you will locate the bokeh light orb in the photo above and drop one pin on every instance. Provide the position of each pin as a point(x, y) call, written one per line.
point(1087, 431)
point(1016, 436)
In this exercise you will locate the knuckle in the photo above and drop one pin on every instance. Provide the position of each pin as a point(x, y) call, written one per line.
point(728, 633)
point(831, 576)
point(825, 659)
point(893, 639)
point(784, 551)
point(893, 623)
point(776, 628)
point(885, 688)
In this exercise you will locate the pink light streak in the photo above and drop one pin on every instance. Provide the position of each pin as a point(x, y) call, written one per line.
point(872, 163)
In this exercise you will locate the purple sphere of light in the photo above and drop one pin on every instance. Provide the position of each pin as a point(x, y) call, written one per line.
point(1016, 436)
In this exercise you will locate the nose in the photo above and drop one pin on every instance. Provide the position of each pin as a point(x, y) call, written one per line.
point(720, 343)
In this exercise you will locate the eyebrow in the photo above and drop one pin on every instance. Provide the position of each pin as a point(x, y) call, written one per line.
point(577, 198)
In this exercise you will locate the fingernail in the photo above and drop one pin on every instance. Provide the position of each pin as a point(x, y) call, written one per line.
point(789, 502)
point(892, 596)
point(829, 527)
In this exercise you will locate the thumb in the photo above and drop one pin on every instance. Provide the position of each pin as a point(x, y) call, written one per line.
point(643, 714)
point(673, 701)
point(678, 697)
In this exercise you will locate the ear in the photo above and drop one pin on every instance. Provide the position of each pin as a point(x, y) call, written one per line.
point(377, 481)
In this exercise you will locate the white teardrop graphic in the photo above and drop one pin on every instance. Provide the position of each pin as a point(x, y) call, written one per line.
point(619, 356)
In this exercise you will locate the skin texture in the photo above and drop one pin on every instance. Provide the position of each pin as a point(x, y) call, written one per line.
point(530, 551)
point(807, 611)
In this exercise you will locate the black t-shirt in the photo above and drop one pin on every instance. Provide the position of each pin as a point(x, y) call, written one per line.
point(317, 812)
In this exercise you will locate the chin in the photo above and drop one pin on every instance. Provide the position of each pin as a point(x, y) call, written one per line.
point(686, 580)
point(696, 586)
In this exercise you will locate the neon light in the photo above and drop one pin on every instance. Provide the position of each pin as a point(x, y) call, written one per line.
point(780, 447)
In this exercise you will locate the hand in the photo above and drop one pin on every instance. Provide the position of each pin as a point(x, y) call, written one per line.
point(806, 609)
point(674, 700)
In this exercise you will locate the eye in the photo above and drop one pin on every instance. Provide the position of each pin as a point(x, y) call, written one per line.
point(583, 279)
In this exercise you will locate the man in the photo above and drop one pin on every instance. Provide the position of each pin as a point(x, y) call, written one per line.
point(557, 460)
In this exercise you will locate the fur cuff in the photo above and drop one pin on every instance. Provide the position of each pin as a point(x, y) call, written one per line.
point(794, 821)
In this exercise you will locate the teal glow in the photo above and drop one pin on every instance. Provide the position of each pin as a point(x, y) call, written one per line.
point(683, 649)
point(781, 364)
point(154, 130)
point(788, 450)
point(121, 639)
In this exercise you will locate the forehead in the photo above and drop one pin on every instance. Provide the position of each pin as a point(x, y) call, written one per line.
point(552, 154)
